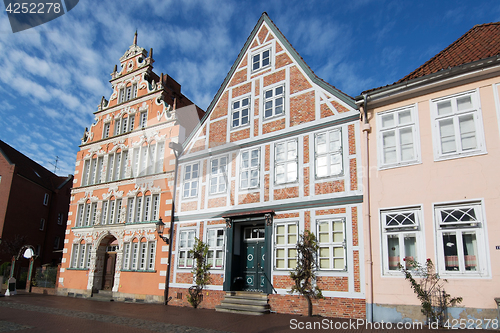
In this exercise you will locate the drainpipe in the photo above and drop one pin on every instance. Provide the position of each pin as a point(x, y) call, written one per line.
point(177, 149)
point(366, 130)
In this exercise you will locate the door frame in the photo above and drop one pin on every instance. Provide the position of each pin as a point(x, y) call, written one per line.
point(234, 243)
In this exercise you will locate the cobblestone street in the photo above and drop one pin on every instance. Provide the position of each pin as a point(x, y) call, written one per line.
point(41, 313)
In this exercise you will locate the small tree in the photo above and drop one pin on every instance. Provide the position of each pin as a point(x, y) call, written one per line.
point(430, 290)
point(304, 275)
point(200, 271)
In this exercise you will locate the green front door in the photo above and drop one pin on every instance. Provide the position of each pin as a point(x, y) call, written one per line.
point(255, 256)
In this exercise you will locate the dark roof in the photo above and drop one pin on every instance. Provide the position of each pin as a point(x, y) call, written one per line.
point(31, 170)
point(480, 42)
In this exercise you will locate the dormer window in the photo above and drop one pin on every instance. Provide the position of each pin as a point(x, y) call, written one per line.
point(128, 93)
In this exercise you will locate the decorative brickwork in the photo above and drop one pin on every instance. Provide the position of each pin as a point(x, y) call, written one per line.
point(333, 283)
point(279, 48)
point(282, 60)
point(249, 198)
point(331, 211)
point(286, 216)
point(256, 127)
point(216, 279)
point(286, 193)
point(307, 220)
point(266, 187)
point(306, 149)
point(306, 181)
point(273, 126)
point(352, 139)
point(240, 135)
point(254, 44)
point(216, 222)
point(244, 89)
point(337, 307)
point(354, 219)
point(262, 34)
point(233, 191)
point(221, 109)
point(217, 202)
point(329, 187)
point(338, 107)
point(354, 174)
point(261, 73)
point(282, 282)
point(267, 157)
point(211, 298)
point(184, 278)
point(302, 109)
point(244, 63)
point(198, 145)
point(274, 78)
point(239, 77)
point(189, 206)
point(217, 133)
point(202, 203)
point(297, 81)
point(269, 37)
point(257, 91)
point(357, 283)
point(326, 111)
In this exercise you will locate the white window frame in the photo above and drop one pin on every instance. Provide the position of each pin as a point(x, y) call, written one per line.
point(468, 225)
point(396, 222)
point(111, 211)
point(143, 259)
point(143, 119)
point(285, 245)
point(455, 115)
point(81, 255)
point(237, 111)
point(327, 249)
point(127, 93)
point(261, 63)
point(191, 182)
point(272, 100)
point(289, 164)
point(398, 129)
point(148, 159)
point(216, 246)
point(143, 208)
point(248, 168)
point(46, 198)
point(42, 224)
point(106, 130)
point(117, 165)
point(218, 175)
point(185, 244)
point(329, 154)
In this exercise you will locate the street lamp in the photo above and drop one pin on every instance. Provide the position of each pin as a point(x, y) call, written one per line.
point(160, 226)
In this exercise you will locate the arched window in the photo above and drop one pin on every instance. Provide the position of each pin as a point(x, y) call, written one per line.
point(128, 93)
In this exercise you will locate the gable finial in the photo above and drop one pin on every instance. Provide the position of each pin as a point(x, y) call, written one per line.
point(135, 37)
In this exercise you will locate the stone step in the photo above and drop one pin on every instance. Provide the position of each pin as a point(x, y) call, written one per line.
point(246, 295)
point(248, 301)
point(246, 306)
point(241, 310)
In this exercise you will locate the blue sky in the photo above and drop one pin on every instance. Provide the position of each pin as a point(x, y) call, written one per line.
point(52, 76)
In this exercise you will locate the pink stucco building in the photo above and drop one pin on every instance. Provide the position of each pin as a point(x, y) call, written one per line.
point(431, 146)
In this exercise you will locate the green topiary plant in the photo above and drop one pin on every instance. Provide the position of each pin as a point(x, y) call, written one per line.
point(201, 273)
point(430, 290)
point(304, 275)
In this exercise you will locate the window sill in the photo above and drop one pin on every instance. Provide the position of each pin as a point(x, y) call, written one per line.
point(138, 271)
point(77, 269)
point(260, 69)
point(272, 118)
point(459, 155)
point(242, 127)
point(332, 177)
point(398, 165)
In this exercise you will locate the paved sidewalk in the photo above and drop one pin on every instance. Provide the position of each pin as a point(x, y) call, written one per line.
point(41, 313)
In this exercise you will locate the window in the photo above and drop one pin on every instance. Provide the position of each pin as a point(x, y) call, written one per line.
point(401, 238)
point(139, 256)
point(148, 159)
point(143, 208)
point(111, 211)
point(60, 218)
point(285, 244)
point(261, 60)
point(241, 111)
point(286, 162)
point(86, 214)
point(127, 93)
point(461, 242)
point(215, 240)
point(273, 102)
point(42, 224)
point(458, 126)
point(186, 243)
point(118, 127)
point(81, 256)
point(46, 199)
point(105, 132)
point(218, 175)
point(328, 154)
point(191, 173)
point(56, 242)
point(143, 120)
point(398, 137)
point(332, 244)
point(250, 168)
point(92, 171)
point(117, 164)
